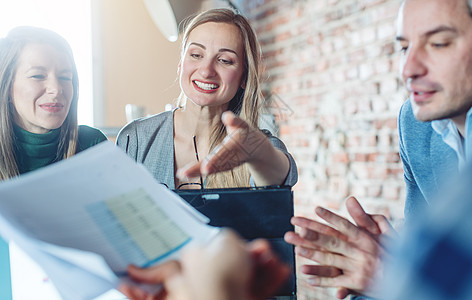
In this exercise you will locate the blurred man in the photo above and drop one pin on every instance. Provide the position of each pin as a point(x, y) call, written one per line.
point(434, 127)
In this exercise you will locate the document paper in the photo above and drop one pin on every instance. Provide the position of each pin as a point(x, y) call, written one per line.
point(97, 202)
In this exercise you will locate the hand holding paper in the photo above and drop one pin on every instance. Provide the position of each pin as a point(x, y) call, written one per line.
point(99, 201)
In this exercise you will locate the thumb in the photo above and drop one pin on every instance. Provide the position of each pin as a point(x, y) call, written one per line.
point(231, 121)
point(156, 274)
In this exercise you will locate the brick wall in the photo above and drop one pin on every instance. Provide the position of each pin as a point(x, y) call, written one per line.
point(331, 67)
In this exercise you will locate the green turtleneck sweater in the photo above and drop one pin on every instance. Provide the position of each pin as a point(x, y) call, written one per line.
point(34, 151)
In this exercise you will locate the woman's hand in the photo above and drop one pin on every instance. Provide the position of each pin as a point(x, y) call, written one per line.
point(243, 144)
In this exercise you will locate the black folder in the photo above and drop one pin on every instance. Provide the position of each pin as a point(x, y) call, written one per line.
point(254, 213)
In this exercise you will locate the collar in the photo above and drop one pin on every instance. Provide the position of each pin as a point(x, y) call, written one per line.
point(37, 145)
point(451, 136)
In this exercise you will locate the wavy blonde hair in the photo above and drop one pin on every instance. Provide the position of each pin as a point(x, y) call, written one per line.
point(10, 50)
point(247, 102)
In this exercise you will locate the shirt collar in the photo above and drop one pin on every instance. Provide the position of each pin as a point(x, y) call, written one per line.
point(450, 135)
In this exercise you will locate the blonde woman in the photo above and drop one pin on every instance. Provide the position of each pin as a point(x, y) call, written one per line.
point(216, 116)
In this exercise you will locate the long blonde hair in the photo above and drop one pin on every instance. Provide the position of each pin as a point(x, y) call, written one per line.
point(247, 102)
point(10, 49)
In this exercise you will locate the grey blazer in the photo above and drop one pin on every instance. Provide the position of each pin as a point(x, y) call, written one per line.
point(151, 143)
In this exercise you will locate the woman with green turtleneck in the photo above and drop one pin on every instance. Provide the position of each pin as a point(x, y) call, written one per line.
point(33, 150)
point(38, 106)
point(38, 102)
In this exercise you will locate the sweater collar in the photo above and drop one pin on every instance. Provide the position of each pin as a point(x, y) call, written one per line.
point(37, 145)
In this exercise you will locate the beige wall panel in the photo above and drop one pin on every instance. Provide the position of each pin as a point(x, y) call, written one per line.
point(138, 65)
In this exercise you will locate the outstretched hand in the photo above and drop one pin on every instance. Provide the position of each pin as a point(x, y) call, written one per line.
point(349, 255)
point(243, 144)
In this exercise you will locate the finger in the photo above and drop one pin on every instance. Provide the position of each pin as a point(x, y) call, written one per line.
point(232, 121)
point(342, 293)
point(360, 217)
point(136, 293)
point(260, 250)
point(226, 156)
point(389, 236)
point(322, 271)
point(342, 281)
point(258, 245)
point(161, 295)
point(269, 272)
point(189, 171)
point(315, 241)
point(156, 274)
point(299, 241)
point(327, 258)
point(132, 292)
point(267, 280)
point(354, 235)
point(384, 225)
point(296, 240)
point(316, 227)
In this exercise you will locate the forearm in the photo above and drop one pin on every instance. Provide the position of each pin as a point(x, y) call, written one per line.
point(270, 166)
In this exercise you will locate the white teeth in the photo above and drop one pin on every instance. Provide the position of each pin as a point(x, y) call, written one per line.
point(206, 86)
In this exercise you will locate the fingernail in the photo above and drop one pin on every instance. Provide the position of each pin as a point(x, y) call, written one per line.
point(301, 251)
point(267, 257)
point(206, 169)
point(224, 115)
point(320, 210)
point(312, 281)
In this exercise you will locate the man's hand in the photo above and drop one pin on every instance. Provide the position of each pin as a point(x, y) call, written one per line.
point(225, 269)
point(349, 255)
point(155, 275)
point(268, 272)
point(230, 269)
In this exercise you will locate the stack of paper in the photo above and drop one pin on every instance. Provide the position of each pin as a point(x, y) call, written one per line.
point(85, 219)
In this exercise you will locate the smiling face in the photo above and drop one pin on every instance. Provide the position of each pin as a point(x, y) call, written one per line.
point(212, 65)
point(42, 88)
point(436, 64)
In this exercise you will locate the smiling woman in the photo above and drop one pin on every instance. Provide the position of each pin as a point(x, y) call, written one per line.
point(42, 88)
point(71, 19)
point(204, 59)
point(38, 112)
point(216, 116)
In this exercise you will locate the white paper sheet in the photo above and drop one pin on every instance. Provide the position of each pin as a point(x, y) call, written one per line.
point(98, 202)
